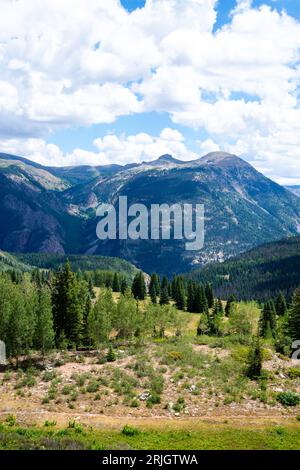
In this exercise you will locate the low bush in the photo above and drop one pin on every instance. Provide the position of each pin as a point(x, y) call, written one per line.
point(288, 398)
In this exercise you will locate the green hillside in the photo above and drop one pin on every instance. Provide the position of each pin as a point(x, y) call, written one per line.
point(10, 262)
point(257, 274)
point(78, 262)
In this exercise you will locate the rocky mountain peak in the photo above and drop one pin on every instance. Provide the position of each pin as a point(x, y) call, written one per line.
point(166, 160)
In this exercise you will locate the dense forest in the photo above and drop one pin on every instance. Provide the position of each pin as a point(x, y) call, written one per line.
point(259, 274)
point(79, 262)
point(43, 310)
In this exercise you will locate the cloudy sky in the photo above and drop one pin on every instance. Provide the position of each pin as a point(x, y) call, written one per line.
point(118, 81)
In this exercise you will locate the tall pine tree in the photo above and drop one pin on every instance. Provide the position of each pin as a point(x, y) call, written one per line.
point(280, 305)
point(67, 306)
point(294, 316)
point(138, 286)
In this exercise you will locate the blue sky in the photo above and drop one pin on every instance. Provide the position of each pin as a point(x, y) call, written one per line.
point(120, 81)
point(153, 122)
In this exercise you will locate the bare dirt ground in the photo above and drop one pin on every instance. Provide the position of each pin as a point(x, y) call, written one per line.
point(76, 386)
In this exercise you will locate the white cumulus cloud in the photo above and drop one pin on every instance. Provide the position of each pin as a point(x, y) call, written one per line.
point(108, 149)
point(78, 63)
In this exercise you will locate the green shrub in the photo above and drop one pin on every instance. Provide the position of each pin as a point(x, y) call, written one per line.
point(49, 424)
point(11, 420)
point(135, 403)
point(92, 387)
point(77, 427)
point(174, 356)
point(49, 376)
point(154, 399)
point(279, 430)
point(294, 373)
point(67, 389)
point(129, 431)
point(288, 398)
point(111, 355)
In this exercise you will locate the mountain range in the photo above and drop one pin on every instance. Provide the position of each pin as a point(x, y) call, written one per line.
point(53, 210)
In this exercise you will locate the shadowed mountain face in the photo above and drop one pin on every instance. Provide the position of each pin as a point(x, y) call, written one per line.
point(53, 209)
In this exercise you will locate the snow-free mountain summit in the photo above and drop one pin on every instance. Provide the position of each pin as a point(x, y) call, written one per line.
point(50, 209)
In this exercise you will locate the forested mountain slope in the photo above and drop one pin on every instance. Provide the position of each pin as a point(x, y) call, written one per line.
point(257, 274)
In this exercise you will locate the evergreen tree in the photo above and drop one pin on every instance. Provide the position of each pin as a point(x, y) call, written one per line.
point(153, 294)
point(165, 283)
point(209, 295)
point(231, 300)
point(164, 296)
point(36, 277)
point(283, 343)
point(220, 307)
point(280, 305)
point(255, 360)
point(191, 290)
point(91, 289)
point(67, 306)
point(116, 283)
point(154, 284)
point(200, 301)
point(180, 297)
point(267, 322)
point(138, 286)
point(124, 286)
point(294, 316)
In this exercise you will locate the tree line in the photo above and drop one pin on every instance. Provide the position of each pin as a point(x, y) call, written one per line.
point(41, 311)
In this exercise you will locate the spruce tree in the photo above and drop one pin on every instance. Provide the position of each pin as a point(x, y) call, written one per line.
point(280, 305)
point(165, 283)
point(124, 286)
point(164, 296)
point(191, 290)
point(200, 301)
point(267, 322)
point(67, 306)
point(91, 289)
point(220, 307)
point(116, 287)
point(180, 297)
point(154, 283)
point(294, 316)
point(255, 360)
point(231, 300)
point(209, 295)
point(138, 286)
point(153, 294)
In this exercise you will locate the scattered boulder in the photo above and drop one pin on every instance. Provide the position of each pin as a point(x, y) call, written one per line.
point(145, 396)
